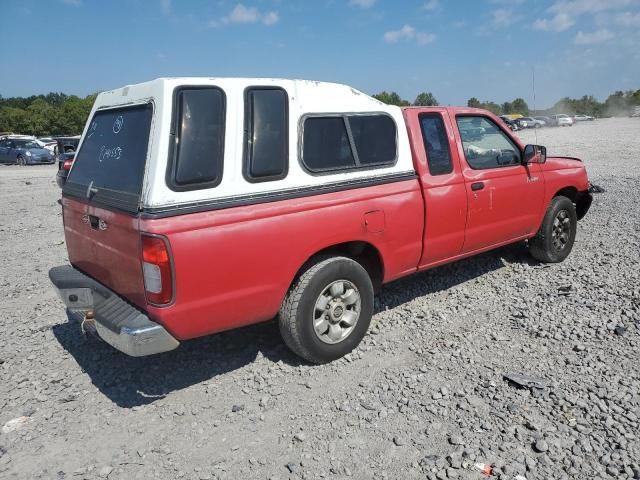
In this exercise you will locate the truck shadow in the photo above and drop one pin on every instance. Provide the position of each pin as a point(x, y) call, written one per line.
point(130, 382)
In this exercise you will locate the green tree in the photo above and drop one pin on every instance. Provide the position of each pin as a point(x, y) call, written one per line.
point(616, 104)
point(492, 107)
point(391, 99)
point(507, 108)
point(13, 119)
point(473, 102)
point(632, 98)
point(425, 99)
point(40, 116)
point(520, 106)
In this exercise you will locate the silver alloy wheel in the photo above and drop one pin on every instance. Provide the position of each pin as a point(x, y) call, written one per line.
point(337, 311)
point(561, 230)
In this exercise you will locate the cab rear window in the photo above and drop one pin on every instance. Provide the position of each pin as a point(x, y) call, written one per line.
point(109, 168)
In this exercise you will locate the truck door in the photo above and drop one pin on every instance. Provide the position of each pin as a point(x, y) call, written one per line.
point(443, 187)
point(505, 197)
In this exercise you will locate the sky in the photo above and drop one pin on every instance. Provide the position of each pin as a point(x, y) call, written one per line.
point(456, 49)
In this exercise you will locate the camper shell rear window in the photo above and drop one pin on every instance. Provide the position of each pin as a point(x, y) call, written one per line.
point(109, 167)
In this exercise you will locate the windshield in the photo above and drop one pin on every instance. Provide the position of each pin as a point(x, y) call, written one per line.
point(109, 167)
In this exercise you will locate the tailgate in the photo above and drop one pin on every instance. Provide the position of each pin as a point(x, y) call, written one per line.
point(101, 199)
point(106, 246)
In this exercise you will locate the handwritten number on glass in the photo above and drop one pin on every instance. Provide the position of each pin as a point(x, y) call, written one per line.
point(118, 124)
point(109, 153)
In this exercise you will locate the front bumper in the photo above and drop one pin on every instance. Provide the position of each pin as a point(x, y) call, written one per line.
point(117, 322)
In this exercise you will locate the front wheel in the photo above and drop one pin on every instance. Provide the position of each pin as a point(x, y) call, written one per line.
point(21, 160)
point(327, 310)
point(557, 234)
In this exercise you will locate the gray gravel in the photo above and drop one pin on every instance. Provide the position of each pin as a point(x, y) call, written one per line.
point(425, 396)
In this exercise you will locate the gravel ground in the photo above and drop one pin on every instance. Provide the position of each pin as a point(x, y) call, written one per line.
point(425, 395)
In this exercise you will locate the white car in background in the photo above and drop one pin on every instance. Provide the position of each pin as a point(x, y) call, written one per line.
point(48, 143)
point(562, 120)
point(582, 118)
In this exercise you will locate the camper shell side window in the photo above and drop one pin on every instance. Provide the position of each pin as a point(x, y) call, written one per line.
point(333, 143)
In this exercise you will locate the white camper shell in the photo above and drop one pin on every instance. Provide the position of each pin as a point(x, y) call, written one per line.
point(245, 109)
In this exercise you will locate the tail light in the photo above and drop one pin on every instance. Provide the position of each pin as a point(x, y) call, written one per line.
point(156, 269)
point(66, 165)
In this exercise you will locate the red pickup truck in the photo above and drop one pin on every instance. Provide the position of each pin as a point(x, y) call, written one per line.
point(198, 205)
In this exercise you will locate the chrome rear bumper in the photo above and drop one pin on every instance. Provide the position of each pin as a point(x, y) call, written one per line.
point(117, 322)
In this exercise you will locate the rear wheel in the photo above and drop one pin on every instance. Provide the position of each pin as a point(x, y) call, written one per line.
point(21, 160)
point(557, 234)
point(327, 310)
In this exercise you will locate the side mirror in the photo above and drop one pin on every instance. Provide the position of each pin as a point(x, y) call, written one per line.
point(534, 154)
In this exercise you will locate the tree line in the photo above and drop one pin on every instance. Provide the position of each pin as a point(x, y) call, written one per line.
point(39, 115)
point(61, 114)
point(617, 104)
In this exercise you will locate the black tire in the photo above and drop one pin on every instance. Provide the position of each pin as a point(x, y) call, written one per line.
point(557, 234)
point(20, 160)
point(298, 311)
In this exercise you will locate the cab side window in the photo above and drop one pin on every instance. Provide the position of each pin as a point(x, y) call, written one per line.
point(485, 144)
point(436, 143)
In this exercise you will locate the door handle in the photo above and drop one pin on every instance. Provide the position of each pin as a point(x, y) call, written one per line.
point(477, 186)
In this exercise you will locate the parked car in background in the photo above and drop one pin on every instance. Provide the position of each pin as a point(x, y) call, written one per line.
point(65, 162)
point(24, 151)
point(561, 120)
point(48, 143)
point(67, 144)
point(513, 126)
point(582, 118)
point(545, 120)
point(528, 122)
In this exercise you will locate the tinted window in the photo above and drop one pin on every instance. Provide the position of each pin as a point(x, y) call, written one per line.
point(436, 144)
point(326, 144)
point(485, 144)
point(112, 158)
point(266, 148)
point(374, 137)
point(348, 141)
point(198, 152)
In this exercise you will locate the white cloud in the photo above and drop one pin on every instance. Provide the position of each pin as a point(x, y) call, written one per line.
point(165, 6)
point(579, 7)
point(408, 33)
point(362, 3)
point(431, 5)
point(270, 18)
point(242, 14)
point(565, 12)
point(559, 23)
point(627, 19)
point(73, 3)
point(599, 36)
point(503, 17)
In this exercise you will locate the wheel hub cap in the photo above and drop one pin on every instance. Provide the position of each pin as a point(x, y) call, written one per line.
point(337, 311)
point(561, 230)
